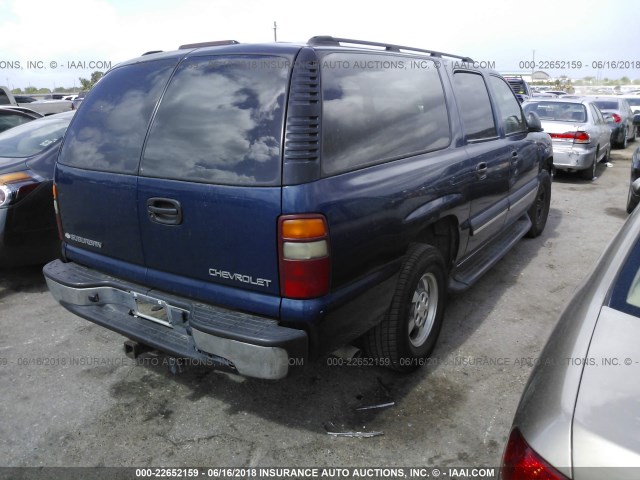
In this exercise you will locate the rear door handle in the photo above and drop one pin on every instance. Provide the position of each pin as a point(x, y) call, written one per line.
point(165, 211)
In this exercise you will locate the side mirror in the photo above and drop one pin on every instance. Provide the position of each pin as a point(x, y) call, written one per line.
point(533, 121)
point(636, 119)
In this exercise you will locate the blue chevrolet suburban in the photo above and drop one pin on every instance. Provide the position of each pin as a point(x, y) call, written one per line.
point(253, 206)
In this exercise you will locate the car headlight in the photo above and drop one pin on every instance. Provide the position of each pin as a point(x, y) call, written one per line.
point(15, 186)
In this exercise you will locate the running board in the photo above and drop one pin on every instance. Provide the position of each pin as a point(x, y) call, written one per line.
point(471, 269)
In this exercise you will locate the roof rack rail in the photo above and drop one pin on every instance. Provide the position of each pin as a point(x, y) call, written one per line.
point(208, 44)
point(151, 52)
point(335, 42)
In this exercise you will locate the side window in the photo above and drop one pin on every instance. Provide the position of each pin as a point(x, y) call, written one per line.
point(4, 99)
point(378, 108)
point(220, 121)
point(475, 106)
point(510, 110)
point(108, 132)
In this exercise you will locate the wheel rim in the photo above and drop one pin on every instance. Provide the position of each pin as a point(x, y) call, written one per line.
point(424, 306)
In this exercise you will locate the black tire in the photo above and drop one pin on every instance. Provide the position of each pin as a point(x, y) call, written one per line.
point(409, 331)
point(623, 143)
point(590, 173)
point(539, 211)
point(632, 202)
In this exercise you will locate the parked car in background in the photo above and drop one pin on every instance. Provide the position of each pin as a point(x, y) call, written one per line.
point(634, 103)
point(28, 232)
point(578, 415)
point(46, 107)
point(633, 197)
point(352, 199)
point(24, 99)
point(13, 116)
point(580, 135)
point(619, 116)
point(520, 87)
point(78, 100)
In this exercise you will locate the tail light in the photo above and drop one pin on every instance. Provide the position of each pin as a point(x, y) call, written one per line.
point(575, 137)
point(304, 256)
point(616, 118)
point(57, 212)
point(15, 186)
point(521, 462)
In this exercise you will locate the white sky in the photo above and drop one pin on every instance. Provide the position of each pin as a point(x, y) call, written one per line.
point(505, 32)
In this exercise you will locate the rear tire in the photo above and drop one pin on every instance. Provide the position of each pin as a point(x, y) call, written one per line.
point(408, 333)
point(623, 143)
point(632, 202)
point(590, 173)
point(539, 211)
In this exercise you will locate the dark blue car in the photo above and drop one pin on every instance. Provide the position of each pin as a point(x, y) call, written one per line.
point(28, 231)
point(253, 206)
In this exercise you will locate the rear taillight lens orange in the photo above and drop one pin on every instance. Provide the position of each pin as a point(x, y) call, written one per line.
point(521, 462)
point(15, 186)
point(304, 256)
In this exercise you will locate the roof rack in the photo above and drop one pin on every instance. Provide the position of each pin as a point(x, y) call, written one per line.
point(151, 52)
point(208, 44)
point(335, 42)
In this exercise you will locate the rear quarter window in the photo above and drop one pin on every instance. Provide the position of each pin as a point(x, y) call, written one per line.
point(107, 134)
point(378, 108)
point(220, 121)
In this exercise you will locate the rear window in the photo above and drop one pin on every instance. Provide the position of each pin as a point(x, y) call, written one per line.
point(378, 108)
point(32, 137)
point(220, 121)
point(108, 132)
point(558, 111)
point(633, 102)
point(604, 105)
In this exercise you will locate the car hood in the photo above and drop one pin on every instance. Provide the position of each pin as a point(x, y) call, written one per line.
point(606, 429)
point(9, 165)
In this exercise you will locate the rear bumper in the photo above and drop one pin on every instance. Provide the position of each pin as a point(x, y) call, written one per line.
point(573, 158)
point(224, 339)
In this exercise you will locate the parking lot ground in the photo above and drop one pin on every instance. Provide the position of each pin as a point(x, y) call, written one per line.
point(70, 397)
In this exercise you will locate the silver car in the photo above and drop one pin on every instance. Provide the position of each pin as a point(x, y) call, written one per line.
point(634, 104)
point(619, 117)
point(579, 415)
point(579, 133)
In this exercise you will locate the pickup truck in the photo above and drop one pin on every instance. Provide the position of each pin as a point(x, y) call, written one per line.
point(45, 107)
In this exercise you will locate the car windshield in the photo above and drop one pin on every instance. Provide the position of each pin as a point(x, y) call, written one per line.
point(558, 111)
point(604, 105)
point(33, 137)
